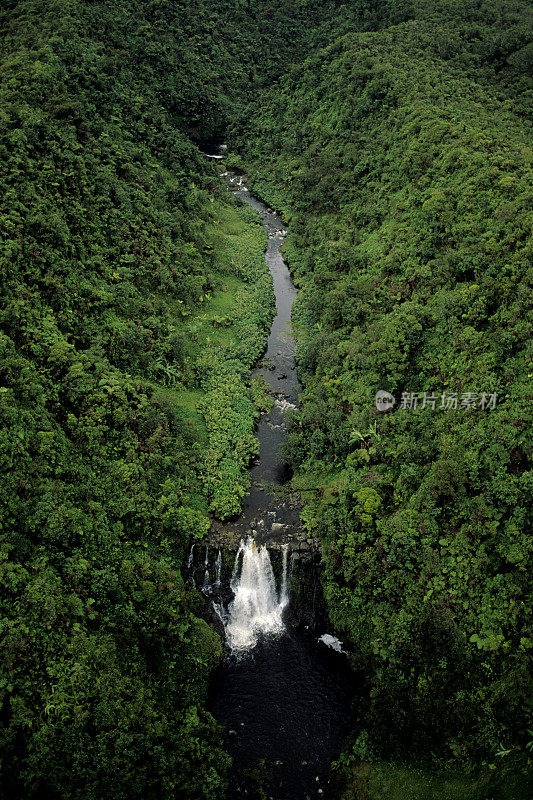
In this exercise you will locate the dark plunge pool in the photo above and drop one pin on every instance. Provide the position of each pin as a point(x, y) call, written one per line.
point(285, 708)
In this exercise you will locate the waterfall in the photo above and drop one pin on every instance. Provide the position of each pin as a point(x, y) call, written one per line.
point(220, 611)
point(233, 581)
point(206, 586)
point(191, 558)
point(206, 562)
point(255, 609)
point(284, 590)
point(218, 568)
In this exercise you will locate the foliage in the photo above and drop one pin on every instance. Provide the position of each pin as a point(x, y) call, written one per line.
point(404, 156)
point(135, 298)
point(117, 241)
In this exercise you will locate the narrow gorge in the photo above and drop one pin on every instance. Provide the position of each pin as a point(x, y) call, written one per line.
point(265, 406)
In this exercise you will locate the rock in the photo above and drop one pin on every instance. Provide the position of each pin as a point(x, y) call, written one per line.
point(332, 642)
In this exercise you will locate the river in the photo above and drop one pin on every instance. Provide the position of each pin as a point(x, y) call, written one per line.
point(282, 696)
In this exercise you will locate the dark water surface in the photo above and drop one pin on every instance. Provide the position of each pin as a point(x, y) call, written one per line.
point(285, 706)
point(264, 512)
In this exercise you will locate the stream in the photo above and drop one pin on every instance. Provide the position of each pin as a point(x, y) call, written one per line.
point(283, 692)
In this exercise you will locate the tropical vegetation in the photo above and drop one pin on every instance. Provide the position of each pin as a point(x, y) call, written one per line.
point(395, 136)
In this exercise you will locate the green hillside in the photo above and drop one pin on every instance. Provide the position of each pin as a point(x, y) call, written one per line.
point(122, 421)
point(396, 137)
point(403, 160)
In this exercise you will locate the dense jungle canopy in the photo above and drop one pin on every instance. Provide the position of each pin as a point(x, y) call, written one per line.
point(395, 137)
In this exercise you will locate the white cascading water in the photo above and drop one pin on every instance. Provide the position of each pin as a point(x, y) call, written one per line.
point(256, 607)
point(284, 591)
point(218, 579)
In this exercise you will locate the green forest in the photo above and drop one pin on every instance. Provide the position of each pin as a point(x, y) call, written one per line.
point(395, 139)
